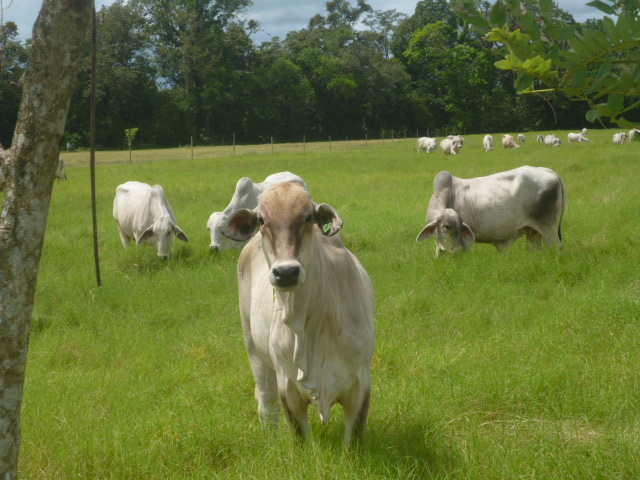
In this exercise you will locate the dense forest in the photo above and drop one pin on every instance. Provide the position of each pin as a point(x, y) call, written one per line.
point(182, 69)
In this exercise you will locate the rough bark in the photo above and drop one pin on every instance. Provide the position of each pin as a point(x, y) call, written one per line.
point(30, 165)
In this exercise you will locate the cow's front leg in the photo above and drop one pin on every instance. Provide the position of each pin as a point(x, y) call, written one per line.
point(295, 410)
point(266, 391)
point(124, 238)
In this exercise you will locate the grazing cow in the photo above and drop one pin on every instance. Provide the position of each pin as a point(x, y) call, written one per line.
point(540, 138)
point(497, 209)
point(61, 171)
point(552, 141)
point(521, 138)
point(509, 142)
point(307, 308)
point(577, 137)
point(619, 138)
point(487, 143)
point(246, 195)
point(451, 146)
point(427, 144)
point(632, 135)
point(143, 213)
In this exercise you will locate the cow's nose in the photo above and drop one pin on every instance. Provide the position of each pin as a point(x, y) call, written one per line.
point(286, 276)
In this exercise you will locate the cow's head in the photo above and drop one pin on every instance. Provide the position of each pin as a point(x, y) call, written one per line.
point(288, 221)
point(218, 240)
point(452, 234)
point(161, 232)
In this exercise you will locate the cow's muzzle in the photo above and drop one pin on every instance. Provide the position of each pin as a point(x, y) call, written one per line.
point(287, 275)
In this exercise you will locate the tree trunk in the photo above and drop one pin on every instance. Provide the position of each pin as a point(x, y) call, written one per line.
point(48, 83)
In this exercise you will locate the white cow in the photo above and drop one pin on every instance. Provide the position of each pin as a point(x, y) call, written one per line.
point(497, 209)
point(552, 141)
point(143, 213)
point(427, 144)
point(521, 138)
point(307, 308)
point(509, 142)
point(540, 138)
point(577, 138)
point(619, 138)
point(584, 131)
point(632, 135)
point(246, 195)
point(451, 146)
point(487, 143)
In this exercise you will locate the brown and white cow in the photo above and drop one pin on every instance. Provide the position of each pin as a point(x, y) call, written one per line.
point(307, 307)
point(496, 209)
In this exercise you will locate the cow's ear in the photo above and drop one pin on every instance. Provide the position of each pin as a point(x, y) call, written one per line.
point(241, 226)
point(468, 238)
point(428, 231)
point(146, 235)
point(180, 235)
point(327, 219)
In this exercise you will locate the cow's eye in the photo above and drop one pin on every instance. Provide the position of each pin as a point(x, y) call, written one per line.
point(309, 219)
point(260, 221)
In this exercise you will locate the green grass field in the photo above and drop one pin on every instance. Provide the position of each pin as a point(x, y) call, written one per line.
point(488, 366)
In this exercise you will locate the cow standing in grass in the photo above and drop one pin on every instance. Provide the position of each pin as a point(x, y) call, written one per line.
point(497, 209)
point(143, 213)
point(307, 308)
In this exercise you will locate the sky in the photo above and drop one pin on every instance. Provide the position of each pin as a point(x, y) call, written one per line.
point(276, 17)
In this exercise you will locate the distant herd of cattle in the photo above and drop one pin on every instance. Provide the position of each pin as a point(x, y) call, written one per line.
point(453, 143)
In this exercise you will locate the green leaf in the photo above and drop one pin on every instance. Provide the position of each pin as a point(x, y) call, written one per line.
point(615, 102)
point(546, 5)
point(565, 33)
point(579, 77)
point(593, 115)
point(603, 74)
point(503, 64)
point(624, 123)
point(603, 7)
point(611, 29)
point(524, 81)
point(498, 14)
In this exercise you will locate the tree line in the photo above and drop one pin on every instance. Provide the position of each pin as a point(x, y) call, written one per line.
point(183, 69)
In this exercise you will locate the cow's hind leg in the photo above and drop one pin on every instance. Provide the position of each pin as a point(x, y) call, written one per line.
point(534, 239)
point(295, 410)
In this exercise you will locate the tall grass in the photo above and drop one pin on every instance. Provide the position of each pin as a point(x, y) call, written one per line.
point(490, 366)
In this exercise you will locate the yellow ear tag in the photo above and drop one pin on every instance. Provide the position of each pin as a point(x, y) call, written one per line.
point(274, 295)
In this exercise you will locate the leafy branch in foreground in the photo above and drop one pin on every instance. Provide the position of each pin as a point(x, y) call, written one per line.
point(598, 66)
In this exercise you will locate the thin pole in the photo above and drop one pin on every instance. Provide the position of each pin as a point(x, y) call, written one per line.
point(329, 143)
point(234, 143)
point(92, 158)
point(271, 144)
point(192, 147)
point(304, 143)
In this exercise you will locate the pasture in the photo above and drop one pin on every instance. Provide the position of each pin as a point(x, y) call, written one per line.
point(487, 366)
